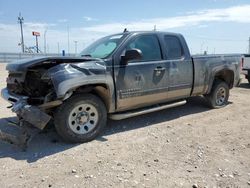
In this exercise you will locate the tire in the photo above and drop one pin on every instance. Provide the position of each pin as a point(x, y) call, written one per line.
point(80, 118)
point(218, 97)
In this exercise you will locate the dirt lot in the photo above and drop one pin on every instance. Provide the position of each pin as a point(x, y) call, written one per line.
point(180, 147)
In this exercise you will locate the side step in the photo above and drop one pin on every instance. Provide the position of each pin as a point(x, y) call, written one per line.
point(129, 114)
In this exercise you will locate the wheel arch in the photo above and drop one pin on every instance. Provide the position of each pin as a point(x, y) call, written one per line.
point(225, 75)
point(101, 90)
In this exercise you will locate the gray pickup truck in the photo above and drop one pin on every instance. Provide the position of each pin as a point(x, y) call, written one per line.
point(118, 76)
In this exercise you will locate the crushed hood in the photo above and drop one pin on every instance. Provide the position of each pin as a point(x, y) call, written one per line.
point(23, 65)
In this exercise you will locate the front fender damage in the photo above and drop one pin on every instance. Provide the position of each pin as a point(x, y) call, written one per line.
point(67, 77)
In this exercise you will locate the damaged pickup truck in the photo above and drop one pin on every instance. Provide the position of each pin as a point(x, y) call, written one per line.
point(118, 76)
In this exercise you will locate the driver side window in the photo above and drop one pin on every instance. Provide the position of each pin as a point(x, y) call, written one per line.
point(149, 46)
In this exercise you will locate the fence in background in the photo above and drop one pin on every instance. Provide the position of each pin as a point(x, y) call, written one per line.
point(9, 57)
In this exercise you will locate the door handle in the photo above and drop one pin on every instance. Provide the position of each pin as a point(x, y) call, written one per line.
point(159, 69)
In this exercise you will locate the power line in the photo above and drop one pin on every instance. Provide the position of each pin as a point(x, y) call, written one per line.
point(20, 21)
point(58, 48)
point(68, 40)
point(75, 47)
point(45, 40)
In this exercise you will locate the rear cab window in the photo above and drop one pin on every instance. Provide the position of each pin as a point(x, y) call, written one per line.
point(173, 47)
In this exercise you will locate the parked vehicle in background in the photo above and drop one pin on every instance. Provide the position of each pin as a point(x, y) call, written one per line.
point(118, 76)
point(246, 66)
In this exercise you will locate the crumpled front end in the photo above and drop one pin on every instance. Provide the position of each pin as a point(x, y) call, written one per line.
point(32, 119)
point(36, 87)
point(31, 114)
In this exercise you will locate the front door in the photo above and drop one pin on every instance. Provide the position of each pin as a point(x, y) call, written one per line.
point(142, 82)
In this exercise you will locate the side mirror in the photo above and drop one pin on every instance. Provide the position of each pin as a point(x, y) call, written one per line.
point(132, 54)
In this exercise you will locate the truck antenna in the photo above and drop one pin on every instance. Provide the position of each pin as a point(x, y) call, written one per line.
point(125, 30)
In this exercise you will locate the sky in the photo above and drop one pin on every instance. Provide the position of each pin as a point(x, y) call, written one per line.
point(217, 26)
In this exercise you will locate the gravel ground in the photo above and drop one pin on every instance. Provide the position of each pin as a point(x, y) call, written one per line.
point(187, 146)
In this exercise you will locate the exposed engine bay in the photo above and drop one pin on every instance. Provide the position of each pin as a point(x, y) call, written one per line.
point(35, 85)
point(35, 81)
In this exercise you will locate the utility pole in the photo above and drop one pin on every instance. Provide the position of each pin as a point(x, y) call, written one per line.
point(154, 27)
point(249, 46)
point(45, 41)
point(75, 47)
point(37, 44)
point(202, 44)
point(68, 40)
point(58, 48)
point(20, 21)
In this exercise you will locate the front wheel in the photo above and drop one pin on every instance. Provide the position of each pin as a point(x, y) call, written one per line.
point(218, 97)
point(80, 118)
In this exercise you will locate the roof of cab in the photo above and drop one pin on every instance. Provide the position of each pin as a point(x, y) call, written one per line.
point(148, 32)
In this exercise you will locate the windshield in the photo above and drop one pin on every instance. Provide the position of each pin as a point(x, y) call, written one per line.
point(103, 47)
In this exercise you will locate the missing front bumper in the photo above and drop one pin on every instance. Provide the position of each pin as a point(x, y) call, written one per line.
point(28, 116)
point(26, 112)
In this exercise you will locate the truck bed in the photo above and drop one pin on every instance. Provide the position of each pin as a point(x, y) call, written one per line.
point(206, 66)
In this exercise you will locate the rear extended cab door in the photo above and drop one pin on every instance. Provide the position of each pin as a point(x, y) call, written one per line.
point(177, 55)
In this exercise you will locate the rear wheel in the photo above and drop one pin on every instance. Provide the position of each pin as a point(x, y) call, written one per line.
point(218, 97)
point(81, 118)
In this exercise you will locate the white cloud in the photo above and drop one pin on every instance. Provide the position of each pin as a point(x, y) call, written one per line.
point(202, 26)
point(10, 37)
point(88, 19)
point(10, 33)
point(239, 14)
point(37, 26)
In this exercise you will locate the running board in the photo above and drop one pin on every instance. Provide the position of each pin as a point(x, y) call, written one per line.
point(125, 115)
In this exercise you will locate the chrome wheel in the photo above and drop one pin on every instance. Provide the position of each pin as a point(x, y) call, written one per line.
point(83, 118)
point(221, 96)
